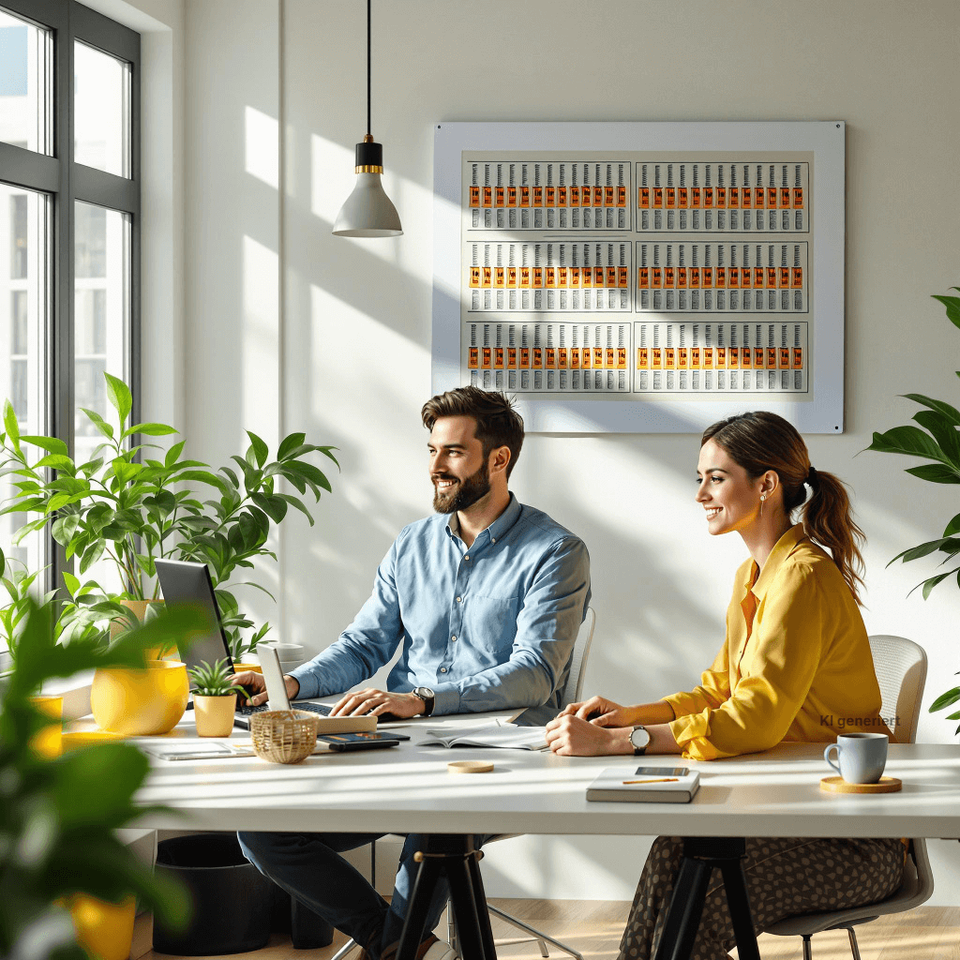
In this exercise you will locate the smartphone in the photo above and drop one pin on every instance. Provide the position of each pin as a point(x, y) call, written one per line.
point(662, 771)
point(343, 742)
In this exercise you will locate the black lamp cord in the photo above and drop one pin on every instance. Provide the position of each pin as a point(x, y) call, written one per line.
point(368, 66)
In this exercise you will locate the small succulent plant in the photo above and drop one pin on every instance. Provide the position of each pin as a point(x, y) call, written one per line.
point(212, 681)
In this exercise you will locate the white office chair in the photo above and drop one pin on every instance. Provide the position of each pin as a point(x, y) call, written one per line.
point(570, 693)
point(901, 667)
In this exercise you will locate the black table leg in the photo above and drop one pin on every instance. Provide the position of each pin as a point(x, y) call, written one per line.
point(454, 856)
point(700, 856)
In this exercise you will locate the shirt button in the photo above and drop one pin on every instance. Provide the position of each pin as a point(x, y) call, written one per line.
point(459, 599)
point(454, 638)
point(443, 669)
point(467, 557)
point(493, 539)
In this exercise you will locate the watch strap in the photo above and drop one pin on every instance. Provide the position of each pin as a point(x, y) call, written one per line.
point(428, 697)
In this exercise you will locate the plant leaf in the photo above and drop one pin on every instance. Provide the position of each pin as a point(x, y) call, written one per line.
point(943, 430)
point(952, 305)
point(951, 413)
point(259, 448)
point(935, 473)
point(118, 393)
point(909, 441)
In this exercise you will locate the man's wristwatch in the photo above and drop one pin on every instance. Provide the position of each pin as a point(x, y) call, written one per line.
point(640, 739)
point(428, 697)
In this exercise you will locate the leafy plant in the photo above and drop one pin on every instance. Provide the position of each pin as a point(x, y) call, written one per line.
point(937, 439)
point(58, 817)
point(133, 508)
point(212, 681)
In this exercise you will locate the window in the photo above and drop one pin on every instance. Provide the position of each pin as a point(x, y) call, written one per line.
point(69, 226)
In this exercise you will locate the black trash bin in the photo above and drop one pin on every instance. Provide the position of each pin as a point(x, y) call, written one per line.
point(232, 900)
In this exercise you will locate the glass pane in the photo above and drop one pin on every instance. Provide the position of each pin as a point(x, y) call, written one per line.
point(102, 323)
point(102, 110)
point(24, 305)
point(25, 52)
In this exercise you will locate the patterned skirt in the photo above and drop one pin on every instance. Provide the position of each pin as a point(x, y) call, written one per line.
point(785, 876)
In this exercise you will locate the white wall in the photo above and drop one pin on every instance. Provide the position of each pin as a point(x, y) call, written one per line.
point(288, 328)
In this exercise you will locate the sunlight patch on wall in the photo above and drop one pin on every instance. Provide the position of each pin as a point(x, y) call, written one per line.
point(262, 147)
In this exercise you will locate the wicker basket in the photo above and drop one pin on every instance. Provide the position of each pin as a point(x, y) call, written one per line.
point(284, 736)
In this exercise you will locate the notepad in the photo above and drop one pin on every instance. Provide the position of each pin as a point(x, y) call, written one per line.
point(622, 785)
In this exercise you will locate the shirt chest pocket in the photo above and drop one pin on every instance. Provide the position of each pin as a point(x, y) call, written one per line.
point(490, 626)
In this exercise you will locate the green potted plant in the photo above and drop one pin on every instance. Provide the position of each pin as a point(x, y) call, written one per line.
point(132, 507)
point(214, 698)
point(59, 817)
point(936, 439)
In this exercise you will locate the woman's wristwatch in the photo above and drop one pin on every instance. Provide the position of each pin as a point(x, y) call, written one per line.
point(428, 697)
point(640, 740)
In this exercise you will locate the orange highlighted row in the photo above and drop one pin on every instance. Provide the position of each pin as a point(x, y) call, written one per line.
point(547, 358)
point(720, 198)
point(719, 358)
point(720, 278)
point(540, 278)
point(525, 197)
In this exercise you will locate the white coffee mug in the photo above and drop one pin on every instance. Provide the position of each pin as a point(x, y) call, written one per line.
point(861, 756)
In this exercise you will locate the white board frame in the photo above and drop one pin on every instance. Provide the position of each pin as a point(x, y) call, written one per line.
point(823, 413)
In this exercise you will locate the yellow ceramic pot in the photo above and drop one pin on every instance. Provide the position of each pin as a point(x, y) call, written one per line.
point(145, 610)
point(47, 743)
point(104, 929)
point(140, 703)
point(214, 715)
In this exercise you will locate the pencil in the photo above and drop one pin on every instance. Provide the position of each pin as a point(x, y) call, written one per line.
point(662, 780)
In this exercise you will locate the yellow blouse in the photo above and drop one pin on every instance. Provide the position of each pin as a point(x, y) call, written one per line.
point(795, 665)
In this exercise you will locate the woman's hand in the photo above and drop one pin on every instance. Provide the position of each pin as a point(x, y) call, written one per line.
point(601, 712)
point(571, 736)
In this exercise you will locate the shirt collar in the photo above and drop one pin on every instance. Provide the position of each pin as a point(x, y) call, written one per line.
point(497, 529)
point(781, 550)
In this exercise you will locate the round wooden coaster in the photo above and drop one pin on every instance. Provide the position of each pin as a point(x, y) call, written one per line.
point(839, 785)
point(470, 766)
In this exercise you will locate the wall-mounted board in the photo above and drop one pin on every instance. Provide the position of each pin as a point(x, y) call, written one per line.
point(642, 277)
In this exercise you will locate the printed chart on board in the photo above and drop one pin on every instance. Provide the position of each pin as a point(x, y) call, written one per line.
point(662, 280)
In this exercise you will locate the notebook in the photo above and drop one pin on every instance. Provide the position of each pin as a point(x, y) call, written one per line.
point(645, 785)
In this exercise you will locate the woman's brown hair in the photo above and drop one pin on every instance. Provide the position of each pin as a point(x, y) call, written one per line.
point(760, 441)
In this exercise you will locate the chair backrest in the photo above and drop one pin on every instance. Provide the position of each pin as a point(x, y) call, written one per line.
point(901, 667)
point(573, 688)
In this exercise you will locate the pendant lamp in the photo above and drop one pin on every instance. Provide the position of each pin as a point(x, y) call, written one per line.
point(368, 211)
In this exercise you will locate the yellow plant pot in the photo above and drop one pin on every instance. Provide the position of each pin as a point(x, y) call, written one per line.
point(250, 667)
point(140, 703)
point(104, 929)
point(144, 610)
point(48, 742)
point(214, 715)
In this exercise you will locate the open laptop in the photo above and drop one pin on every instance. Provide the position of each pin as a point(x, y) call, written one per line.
point(188, 584)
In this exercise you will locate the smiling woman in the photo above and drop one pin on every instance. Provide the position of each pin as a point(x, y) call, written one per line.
point(796, 649)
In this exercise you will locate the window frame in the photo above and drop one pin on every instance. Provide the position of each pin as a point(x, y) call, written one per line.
point(65, 181)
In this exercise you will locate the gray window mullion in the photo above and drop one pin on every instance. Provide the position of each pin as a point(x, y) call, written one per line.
point(103, 33)
point(46, 13)
point(25, 168)
point(105, 189)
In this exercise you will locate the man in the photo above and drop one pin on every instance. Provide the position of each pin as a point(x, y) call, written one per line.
point(486, 599)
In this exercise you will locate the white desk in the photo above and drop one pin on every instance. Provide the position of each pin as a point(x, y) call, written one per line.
point(407, 789)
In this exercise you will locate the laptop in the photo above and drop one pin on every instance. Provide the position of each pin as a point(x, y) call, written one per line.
point(188, 584)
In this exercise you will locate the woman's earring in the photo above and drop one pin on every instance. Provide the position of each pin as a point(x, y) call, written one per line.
point(763, 497)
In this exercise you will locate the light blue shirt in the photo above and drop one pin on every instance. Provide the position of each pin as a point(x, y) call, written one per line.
point(489, 627)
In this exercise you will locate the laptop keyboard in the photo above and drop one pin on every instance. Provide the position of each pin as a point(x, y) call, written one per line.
point(306, 706)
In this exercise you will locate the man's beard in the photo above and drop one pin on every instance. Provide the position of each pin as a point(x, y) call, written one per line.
point(465, 494)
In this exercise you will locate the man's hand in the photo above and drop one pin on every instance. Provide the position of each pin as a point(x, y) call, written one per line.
point(571, 736)
point(255, 683)
point(601, 712)
point(377, 703)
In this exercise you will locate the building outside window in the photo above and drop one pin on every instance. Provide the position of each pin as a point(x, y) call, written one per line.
point(69, 229)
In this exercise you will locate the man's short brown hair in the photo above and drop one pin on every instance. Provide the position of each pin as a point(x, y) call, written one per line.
point(498, 424)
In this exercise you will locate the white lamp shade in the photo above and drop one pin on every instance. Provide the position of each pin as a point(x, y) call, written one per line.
point(368, 211)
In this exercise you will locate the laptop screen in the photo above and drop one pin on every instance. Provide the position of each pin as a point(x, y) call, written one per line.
point(186, 584)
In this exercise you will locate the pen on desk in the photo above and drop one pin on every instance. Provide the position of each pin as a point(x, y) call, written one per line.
point(661, 780)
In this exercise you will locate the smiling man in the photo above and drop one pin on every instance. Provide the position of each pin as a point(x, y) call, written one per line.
point(484, 600)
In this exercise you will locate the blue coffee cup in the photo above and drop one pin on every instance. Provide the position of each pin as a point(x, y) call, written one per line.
point(861, 756)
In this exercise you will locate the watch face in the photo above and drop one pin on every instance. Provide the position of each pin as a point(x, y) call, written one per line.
point(639, 737)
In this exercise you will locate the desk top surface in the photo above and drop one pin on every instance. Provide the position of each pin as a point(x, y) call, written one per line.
point(408, 789)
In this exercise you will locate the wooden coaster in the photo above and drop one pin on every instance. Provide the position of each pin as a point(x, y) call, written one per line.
point(839, 785)
point(470, 766)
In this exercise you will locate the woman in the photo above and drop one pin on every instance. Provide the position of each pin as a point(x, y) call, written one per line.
point(795, 657)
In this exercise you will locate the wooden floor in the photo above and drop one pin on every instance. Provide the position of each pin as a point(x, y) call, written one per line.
point(594, 928)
